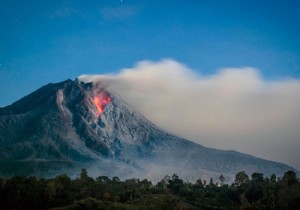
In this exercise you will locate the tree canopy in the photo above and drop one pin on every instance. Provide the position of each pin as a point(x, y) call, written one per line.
point(85, 192)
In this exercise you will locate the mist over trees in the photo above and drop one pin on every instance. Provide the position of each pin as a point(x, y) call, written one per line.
point(84, 192)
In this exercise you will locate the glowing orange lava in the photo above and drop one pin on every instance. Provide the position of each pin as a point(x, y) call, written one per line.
point(101, 101)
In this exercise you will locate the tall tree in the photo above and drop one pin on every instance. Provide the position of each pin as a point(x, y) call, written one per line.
point(222, 179)
point(241, 178)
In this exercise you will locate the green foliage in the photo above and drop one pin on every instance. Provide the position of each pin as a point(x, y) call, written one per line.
point(241, 178)
point(222, 178)
point(84, 192)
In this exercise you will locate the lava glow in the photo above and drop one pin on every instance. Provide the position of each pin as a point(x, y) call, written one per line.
point(101, 101)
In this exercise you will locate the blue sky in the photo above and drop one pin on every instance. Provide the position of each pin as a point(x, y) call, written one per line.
point(50, 41)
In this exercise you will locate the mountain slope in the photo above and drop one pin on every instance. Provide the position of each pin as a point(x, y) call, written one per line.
point(59, 129)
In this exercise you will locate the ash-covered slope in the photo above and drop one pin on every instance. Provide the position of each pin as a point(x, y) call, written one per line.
point(59, 129)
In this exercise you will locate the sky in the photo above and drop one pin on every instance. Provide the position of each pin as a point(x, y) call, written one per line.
point(243, 54)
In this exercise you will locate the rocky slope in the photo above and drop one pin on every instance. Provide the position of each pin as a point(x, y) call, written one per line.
point(60, 128)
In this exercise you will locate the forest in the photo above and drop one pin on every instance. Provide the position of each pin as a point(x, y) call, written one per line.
point(84, 192)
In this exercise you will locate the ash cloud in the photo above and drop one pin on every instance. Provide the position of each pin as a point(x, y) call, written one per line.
point(234, 109)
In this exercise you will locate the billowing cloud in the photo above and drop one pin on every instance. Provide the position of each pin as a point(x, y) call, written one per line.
point(232, 109)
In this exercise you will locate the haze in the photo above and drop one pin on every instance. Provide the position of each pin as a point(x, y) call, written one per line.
point(234, 109)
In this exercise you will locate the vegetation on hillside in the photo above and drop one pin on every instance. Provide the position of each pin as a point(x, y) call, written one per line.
point(84, 192)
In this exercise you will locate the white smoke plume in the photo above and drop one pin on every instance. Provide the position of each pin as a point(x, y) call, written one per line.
point(234, 109)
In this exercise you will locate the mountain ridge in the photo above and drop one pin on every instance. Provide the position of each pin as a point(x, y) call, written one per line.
point(58, 127)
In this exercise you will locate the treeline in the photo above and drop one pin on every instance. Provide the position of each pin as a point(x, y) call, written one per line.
point(84, 192)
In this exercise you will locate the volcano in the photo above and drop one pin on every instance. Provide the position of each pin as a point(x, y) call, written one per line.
point(63, 127)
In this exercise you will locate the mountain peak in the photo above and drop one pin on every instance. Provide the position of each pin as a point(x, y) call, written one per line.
point(65, 126)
